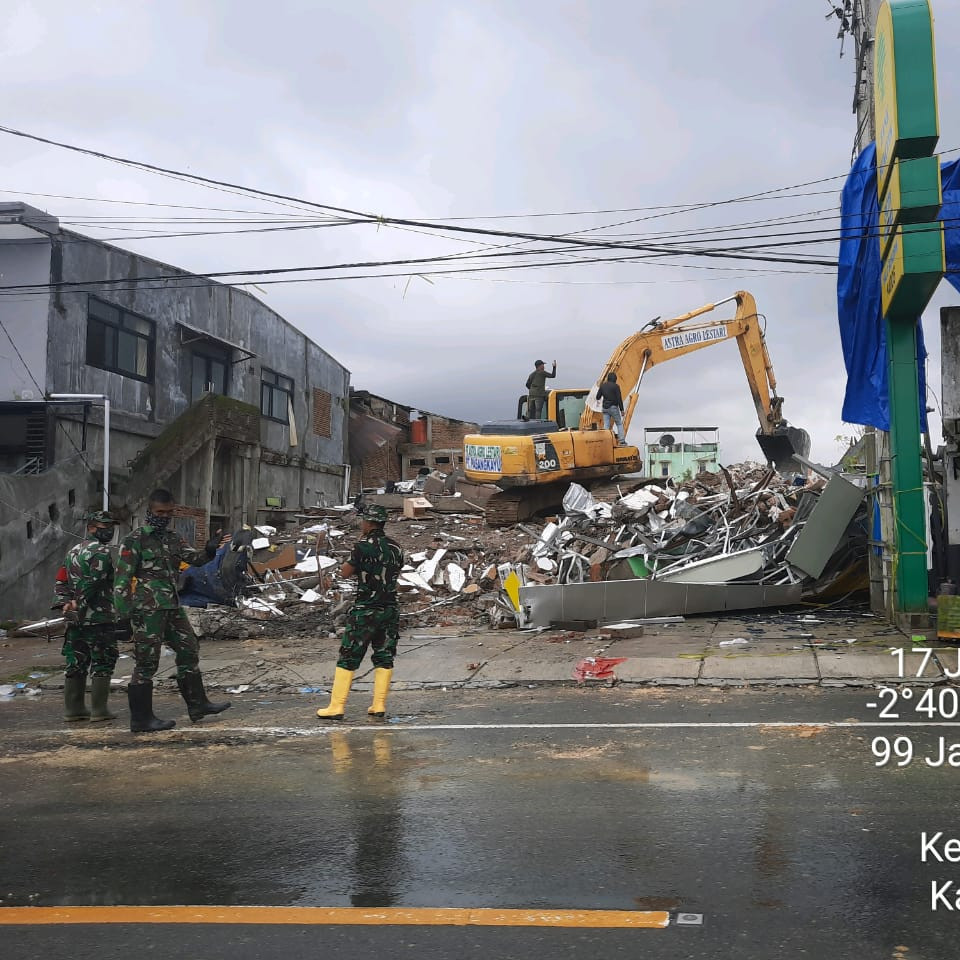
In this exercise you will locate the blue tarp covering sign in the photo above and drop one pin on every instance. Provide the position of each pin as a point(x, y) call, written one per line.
point(862, 333)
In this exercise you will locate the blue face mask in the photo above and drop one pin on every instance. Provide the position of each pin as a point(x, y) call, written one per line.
point(160, 524)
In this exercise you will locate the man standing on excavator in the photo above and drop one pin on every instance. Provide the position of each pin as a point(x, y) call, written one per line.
point(612, 400)
point(537, 390)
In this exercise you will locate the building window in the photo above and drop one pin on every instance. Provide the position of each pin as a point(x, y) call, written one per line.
point(119, 341)
point(322, 402)
point(208, 375)
point(276, 395)
point(664, 469)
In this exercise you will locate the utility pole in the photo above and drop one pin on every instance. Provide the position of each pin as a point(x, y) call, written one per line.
point(862, 22)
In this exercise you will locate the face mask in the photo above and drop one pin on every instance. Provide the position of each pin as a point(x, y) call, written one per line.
point(104, 534)
point(158, 523)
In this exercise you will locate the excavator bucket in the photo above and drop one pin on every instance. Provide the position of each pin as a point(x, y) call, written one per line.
point(780, 446)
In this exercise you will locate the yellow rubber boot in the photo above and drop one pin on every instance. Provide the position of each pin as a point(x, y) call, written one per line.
point(381, 687)
point(342, 680)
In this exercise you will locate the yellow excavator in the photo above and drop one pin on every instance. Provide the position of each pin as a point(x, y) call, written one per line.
point(533, 461)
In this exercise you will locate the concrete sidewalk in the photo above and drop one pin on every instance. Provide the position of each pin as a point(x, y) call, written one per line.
point(826, 648)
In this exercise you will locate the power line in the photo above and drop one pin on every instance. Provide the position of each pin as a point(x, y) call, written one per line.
point(405, 221)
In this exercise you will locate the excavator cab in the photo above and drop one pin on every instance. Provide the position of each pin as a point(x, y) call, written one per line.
point(563, 407)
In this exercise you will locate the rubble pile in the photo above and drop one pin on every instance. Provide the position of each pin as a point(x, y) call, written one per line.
point(735, 525)
point(738, 525)
point(292, 585)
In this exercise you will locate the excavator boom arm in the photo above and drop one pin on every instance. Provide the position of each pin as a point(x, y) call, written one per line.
point(681, 336)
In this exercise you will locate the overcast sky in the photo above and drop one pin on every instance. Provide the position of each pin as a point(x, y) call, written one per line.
point(450, 109)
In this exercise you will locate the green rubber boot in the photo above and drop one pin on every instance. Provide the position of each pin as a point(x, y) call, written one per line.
point(74, 707)
point(99, 692)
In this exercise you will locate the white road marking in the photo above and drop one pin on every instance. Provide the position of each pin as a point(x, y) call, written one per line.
point(322, 729)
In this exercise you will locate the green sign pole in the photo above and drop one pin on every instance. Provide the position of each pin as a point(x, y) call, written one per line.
point(910, 557)
point(911, 248)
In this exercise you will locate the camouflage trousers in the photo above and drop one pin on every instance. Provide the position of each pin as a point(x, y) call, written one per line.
point(156, 627)
point(377, 627)
point(90, 648)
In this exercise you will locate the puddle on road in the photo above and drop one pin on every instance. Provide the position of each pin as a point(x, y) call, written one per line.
point(375, 818)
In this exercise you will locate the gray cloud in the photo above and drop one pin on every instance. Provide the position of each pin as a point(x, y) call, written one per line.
point(431, 109)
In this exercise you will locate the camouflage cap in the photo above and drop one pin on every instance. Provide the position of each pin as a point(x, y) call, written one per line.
point(99, 516)
point(374, 513)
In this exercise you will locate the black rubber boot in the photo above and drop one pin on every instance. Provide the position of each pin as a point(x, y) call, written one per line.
point(142, 720)
point(99, 692)
point(74, 706)
point(195, 697)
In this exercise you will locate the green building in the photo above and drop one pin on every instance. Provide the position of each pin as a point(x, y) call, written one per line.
point(673, 451)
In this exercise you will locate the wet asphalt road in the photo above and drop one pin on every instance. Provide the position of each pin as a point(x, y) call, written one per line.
point(789, 841)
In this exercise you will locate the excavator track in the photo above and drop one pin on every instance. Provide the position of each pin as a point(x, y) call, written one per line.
point(509, 507)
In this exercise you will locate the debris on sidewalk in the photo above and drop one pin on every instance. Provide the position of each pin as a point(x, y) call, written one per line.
point(597, 668)
point(743, 526)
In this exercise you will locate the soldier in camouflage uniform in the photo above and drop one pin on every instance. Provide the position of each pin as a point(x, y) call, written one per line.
point(152, 555)
point(84, 591)
point(373, 620)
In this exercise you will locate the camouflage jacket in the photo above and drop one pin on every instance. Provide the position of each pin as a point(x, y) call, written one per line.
point(377, 560)
point(86, 576)
point(153, 559)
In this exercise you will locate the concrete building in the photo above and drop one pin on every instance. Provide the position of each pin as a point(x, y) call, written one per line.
point(212, 394)
point(391, 441)
point(675, 451)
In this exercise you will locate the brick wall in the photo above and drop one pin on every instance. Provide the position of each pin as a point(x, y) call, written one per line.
point(322, 402)
point(191, 519)
point(449, 434)
point(376, 469)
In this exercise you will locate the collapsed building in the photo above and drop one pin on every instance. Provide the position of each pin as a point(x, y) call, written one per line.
point(637, 548)
point(389, 441)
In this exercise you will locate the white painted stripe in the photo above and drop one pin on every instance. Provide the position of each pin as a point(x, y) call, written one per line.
point(322, 729)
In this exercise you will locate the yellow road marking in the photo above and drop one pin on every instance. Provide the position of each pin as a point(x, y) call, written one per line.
point(338, 916)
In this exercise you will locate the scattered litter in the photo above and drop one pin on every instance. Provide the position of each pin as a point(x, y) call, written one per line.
point(240, 688)
point(456, 576)
point(735, 642)
point(315, 564)
point(596, 668)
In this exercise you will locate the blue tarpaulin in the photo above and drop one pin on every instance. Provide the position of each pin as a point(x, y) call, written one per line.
point(862, 333)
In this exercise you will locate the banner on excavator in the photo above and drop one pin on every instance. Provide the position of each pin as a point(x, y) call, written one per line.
point(483, 457)
point(687, 338)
